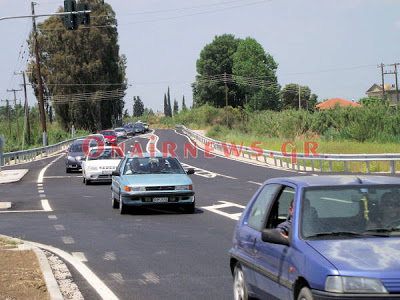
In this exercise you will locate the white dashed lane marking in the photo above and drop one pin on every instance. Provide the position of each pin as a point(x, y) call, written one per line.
point(218, 209)
point(109, 256)
point(59, 227)
point(79, 256)
point(253, 182)
point(68, 240)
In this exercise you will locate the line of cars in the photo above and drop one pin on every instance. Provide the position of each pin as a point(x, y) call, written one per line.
point(155, 180)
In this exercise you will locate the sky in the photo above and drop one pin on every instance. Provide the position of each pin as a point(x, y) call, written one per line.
point(332, 46)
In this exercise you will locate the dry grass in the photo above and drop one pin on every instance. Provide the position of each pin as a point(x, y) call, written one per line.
point(20, 274)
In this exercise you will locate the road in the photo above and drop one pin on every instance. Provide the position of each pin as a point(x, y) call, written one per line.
point(148, 254)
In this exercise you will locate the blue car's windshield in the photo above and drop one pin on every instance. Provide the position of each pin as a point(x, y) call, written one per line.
point(153, 165)
point(366, 210)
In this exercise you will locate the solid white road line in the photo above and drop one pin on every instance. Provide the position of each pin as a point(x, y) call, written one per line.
point(41, 174)
point(103, 291)
point(225, 204)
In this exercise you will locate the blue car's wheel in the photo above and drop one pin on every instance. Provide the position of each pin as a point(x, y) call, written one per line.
point(239, 284)
point(305, 294)
point(122, 207)
point(114, 201)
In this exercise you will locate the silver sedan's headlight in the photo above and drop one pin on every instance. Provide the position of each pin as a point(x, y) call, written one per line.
point(184, 187)
point(355, 285)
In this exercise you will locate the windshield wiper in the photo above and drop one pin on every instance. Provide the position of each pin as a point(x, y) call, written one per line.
point(336, 233)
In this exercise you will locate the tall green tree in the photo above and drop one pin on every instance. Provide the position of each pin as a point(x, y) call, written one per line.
point(254, 72)
point(215, 59)
point(138, 107)
point(166, 108)
point(169, 104)
point(184, 107)
point(176, 107)
point(84, 66)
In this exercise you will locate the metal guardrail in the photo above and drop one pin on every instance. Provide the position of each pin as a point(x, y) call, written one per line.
point(297, 161)
point(17, 157)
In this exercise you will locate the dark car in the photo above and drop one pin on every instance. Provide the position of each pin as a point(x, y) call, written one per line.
point(343, 240)
point(138, 127)
point(129, 129)
point(74, 155)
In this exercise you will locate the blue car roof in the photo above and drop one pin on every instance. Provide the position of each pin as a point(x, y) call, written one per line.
point(337, 180)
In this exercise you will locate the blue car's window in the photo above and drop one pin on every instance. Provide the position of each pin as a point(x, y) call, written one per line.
point(153, 165)
point(352, 209)
point(260, 206)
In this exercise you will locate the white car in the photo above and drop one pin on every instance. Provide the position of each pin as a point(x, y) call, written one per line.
point(100, 162)
point(121, 132)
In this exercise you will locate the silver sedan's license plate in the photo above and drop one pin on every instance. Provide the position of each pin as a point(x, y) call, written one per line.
point(160, 200)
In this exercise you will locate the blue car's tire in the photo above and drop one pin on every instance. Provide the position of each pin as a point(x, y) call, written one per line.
point(239, 284)
point(305, 294)
point(114, 201)
point(122, 207)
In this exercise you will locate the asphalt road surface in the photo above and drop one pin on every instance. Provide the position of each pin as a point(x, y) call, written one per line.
point(147, 254)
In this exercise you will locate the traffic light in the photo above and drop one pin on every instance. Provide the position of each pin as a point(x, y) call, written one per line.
point(83, 18)
point(70, 19)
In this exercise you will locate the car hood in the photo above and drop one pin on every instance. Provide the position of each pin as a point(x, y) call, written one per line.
point(157, 179)
point(361, 256)
point(103, 162)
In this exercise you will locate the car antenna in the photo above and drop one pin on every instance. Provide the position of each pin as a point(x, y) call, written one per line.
point(359, 180)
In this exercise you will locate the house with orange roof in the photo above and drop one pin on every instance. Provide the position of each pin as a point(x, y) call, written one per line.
point(331, 103)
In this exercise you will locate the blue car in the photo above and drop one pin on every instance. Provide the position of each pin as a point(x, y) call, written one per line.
point(319, 237)
point(155, 180)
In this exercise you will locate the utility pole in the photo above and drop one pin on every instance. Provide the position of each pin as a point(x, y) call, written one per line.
point(226, 100)
point(299, 97)
point(40, 87)
point(395, 73)
point(26, 109)
point(383, 83)
point(16, 109)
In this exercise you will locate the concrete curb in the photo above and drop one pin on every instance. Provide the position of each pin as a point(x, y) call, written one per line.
point(51, 282)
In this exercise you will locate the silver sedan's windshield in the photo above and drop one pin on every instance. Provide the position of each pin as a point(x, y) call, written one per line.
point(153, 165)
point(351, 211)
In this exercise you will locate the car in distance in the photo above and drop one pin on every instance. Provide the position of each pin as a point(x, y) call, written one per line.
point(343, 242)
point(138, 127)
point(74, 155)
point(109, 136)
point(152, 181)
point(99, 164)
point(129, 129)
point(121, 132)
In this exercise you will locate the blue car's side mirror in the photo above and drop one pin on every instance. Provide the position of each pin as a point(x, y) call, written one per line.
point(190, 171)
point(116, 173)
point(274, 236)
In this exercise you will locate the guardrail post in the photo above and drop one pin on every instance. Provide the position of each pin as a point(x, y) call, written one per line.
point(312, 165)
point(346, 167)
point(304, 165)
point(367, 163)
point(393, 167)
point(275, 161)
point(298, 164)
point(320, 166)
point(330, 166)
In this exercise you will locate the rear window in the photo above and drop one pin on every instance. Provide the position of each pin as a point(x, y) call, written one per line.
point(110, 132)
